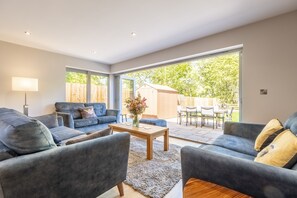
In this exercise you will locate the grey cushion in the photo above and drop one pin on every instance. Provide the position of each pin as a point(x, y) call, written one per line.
point(293, 127)
point(70, 107)
point(236, 143)
point(49, 120)
point(30, 137)
point(63, 133)
point(85, 122)
point(99, 108)
point(107, 119)
point(291, 120)
point(6, 153)
point(94, 135)
point(225, 151)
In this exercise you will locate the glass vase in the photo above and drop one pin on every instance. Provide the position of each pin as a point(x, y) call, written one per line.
point(136, 118)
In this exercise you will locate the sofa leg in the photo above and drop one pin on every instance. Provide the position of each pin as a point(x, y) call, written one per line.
point(121, 188)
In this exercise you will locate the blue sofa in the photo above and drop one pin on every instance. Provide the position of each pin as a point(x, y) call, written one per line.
point(73, 119)
point(229, 162)
point(84, 169)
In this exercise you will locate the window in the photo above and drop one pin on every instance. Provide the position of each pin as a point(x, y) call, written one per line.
point(99, 88)
point(85, 86)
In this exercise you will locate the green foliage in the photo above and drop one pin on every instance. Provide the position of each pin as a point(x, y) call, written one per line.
point(214, 77)
point(75, 77)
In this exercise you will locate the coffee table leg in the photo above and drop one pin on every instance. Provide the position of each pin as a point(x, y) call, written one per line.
point(166, 140)
point(149, 148)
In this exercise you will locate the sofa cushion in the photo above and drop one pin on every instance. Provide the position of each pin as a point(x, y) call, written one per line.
point(99, 108)
point(236, 143)
point(291, 120)
point(90, 136)
point(70, 107)
point(106, 119)
point(63, 133)
point(225, 151)
point(85, 122)
point(29, 137)
point(267, 135)
point(87, 112)
point(5, 152)
point(49, 120)
point(282, 152)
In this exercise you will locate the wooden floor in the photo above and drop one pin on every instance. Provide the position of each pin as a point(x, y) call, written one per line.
point(129, 192)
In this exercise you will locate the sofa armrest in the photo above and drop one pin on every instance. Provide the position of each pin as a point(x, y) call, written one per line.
point(246, 176)
point(245, 130)
point(85, 169)
point(113, 112)
point(67, 119)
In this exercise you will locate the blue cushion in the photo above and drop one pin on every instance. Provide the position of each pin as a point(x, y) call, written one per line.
point(152, 121)
point(291, 120)
point(25, 136)
point(107, 119)
point(236, 143)
point(99, 108)
point(63, 133)
point(85, 122)
point(49, 120)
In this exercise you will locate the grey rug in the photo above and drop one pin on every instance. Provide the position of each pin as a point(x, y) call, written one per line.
point(156, 177)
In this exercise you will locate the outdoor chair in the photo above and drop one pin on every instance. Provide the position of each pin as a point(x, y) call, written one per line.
point(229, 114)
point(206, 114)
point(192, 113)
point(180, 115)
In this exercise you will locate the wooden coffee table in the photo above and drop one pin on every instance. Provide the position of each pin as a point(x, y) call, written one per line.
point(144, 131)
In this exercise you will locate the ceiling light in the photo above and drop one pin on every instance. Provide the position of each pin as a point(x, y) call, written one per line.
point(133, 34)
point(27, 33)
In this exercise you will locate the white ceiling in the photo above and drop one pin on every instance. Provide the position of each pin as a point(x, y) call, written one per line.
point(78, 27)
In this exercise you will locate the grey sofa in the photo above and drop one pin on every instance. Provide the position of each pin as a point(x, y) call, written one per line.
point(73, 119)
point(85, 169)
point(229, 162)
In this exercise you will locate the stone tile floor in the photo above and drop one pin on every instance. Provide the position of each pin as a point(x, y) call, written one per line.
point(205, 135)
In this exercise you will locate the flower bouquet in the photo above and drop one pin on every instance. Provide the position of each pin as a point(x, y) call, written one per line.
point(136, 106)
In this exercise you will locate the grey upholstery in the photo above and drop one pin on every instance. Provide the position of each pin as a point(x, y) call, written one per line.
point(84, 169)
point(229, 162)
point(72, 118)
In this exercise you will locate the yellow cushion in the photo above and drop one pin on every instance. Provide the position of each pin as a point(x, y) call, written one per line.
point(282, 152)
point(270, 131)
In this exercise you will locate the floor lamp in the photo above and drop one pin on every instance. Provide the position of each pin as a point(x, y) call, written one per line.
point(24, 84)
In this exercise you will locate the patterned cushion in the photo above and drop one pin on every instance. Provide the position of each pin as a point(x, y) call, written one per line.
point(270, 131)
point(282, 152)
point(87, 112)
point(85, 122)
point(107, 119)
point(99, 108)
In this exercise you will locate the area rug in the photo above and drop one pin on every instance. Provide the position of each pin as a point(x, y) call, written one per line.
point(153, 178)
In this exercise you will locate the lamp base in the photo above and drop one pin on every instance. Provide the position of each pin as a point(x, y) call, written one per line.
point(26, 109)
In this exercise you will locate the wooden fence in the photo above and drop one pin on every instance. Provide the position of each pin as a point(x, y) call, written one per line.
point(76, 92)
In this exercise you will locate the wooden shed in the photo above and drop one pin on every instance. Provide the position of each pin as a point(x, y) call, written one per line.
point(161, 101)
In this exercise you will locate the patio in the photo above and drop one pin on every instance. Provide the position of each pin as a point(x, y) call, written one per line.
point(205, 135)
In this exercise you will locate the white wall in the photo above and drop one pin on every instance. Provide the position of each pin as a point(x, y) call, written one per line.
point(49, 68)
point(269, 61)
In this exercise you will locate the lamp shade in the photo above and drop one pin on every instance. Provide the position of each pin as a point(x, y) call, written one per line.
point(24, 84)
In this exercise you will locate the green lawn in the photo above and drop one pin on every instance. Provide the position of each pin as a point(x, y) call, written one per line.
point(235, 116)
